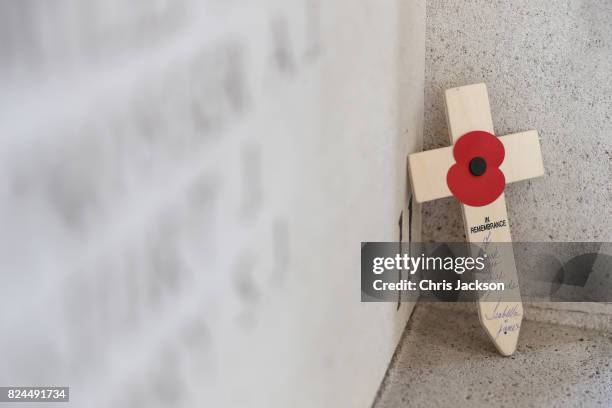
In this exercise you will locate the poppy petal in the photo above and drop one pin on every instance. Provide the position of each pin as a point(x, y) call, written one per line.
point(482, 144)
point(468, 188)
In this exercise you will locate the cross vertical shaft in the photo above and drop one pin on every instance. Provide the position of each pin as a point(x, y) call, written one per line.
point(467, 109)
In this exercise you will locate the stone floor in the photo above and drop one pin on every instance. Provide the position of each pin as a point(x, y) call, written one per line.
point(446, 360)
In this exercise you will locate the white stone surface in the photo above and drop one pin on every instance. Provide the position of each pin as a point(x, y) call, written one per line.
point(184, 188)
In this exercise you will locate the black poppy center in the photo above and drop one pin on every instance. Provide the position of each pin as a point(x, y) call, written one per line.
point(478, 166)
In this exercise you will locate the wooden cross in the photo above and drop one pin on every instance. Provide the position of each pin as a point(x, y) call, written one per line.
point(469, 116)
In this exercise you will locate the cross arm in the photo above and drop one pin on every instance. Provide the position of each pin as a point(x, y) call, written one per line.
point(523, 160)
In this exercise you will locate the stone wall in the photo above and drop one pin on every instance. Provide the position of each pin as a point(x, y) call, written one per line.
point(185, 186)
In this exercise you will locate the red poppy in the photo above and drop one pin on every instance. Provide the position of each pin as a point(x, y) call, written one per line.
point(475, 179)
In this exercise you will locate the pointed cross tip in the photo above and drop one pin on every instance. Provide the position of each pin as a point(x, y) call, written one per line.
point(505, 342)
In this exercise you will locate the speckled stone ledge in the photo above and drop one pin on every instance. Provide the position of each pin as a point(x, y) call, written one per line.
point(446, 360)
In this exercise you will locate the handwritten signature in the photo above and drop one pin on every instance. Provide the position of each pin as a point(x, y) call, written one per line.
point(506, 313)
point(505, 328)
point(503, 312)
point(495, 274)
